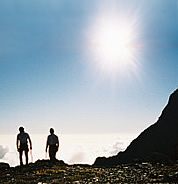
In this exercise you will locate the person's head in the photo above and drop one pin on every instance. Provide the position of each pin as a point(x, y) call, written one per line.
point(21, 129)
point(51, 130)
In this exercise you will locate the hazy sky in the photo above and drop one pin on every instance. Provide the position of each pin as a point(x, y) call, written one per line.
point(57, 67)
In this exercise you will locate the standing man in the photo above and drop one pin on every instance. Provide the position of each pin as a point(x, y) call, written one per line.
point(22, 144)
point(53, 143)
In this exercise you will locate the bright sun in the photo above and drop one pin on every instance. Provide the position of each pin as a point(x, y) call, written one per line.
point(111, 44)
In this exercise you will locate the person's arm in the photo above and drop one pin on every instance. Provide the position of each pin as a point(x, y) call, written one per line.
point(17, 143)
point(47, 145)
point(30, 142)
point(57, 142)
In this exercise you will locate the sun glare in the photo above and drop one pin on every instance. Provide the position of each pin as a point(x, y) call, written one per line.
point(112, 41)
point(113, 44)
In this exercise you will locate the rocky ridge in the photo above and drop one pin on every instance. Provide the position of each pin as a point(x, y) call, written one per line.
point(45, 172)
point(159, 142)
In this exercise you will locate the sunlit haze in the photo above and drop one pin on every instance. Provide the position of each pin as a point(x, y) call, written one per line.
point(84, 67)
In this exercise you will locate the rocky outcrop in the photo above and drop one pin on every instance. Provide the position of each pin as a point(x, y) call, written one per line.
point(4, 166)
point(43, 171)
point(158, 142)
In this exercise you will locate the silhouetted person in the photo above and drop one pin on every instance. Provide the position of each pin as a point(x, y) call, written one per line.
point(22, 144)
point(53, 143)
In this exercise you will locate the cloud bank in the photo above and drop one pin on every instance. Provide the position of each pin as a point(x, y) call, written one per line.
point(3, 151)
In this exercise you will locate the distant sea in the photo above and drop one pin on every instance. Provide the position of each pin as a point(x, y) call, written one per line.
point(74, 148)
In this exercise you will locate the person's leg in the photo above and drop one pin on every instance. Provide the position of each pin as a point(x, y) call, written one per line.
point(26, 156)
point(52, 153)
point(55, 151)
point(20, 157)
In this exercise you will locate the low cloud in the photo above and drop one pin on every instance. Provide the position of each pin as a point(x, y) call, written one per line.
point(118, 146)
point(3, 151)
point(78, 156)
point(114, 148)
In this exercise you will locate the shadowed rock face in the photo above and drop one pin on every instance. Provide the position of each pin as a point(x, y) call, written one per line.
point(158, 142)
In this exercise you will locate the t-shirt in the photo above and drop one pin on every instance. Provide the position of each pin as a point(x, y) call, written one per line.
point(52, 139)
point(22, 137)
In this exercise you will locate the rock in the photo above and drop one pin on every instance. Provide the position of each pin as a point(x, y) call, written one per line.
point(158, 158)
point(125, 173)
point(169, 179)
point(49, 163)
point(4, 166)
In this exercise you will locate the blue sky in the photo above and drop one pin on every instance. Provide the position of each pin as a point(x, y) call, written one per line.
point(49, 77)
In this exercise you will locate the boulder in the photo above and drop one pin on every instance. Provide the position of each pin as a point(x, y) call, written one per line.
point(4, 166)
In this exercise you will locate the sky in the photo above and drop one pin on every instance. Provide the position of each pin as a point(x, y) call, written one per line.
point(86, 66)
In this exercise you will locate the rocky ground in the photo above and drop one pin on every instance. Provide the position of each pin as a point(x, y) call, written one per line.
point(43, 172)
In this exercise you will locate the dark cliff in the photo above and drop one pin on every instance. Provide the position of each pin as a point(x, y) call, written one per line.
point(159, 139)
